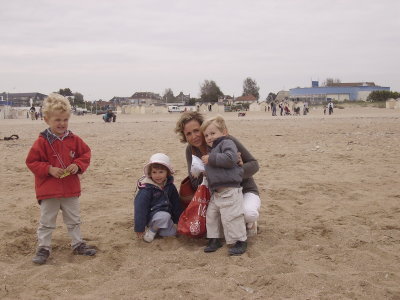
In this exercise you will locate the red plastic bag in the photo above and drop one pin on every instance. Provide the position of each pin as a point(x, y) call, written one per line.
point(192, 221)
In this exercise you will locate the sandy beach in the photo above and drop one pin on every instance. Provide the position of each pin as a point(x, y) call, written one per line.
point(329, 224)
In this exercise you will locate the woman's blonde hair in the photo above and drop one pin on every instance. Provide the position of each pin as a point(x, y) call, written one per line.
point(55, 102)
point(218, 121)
point(185, 118)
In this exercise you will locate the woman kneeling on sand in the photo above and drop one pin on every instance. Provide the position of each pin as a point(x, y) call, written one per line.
point(188, 127)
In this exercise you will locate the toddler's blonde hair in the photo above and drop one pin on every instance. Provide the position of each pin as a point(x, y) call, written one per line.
point(55, 102)
point(218, 121)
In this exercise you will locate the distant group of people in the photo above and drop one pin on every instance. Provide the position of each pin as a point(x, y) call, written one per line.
point(284, 109)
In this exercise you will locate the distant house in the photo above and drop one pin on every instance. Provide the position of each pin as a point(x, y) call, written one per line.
point(145, 98)
point(226, 99)
point(245, 99)
point(101, 105)
point(182, 98)
point(118, 101)
point(350, 91)
point(23, 99)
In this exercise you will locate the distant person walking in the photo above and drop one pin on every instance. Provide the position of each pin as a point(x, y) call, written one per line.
point(273, 108)
point(305, 108)
point(32, 113)
point(330, 107)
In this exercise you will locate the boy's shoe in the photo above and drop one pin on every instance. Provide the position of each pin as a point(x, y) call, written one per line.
point(149, 236)
point(41, 256)
point(251, 229)
point(83, 249)
point(239, 248)
point(213, 245)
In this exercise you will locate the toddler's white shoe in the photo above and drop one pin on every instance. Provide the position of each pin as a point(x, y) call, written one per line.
point(149, 236)
point(251, 229)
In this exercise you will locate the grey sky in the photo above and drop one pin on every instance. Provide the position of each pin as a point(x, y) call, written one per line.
point(115, 48)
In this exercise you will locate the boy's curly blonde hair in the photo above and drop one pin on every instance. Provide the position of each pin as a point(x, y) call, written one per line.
point(218, 121)
point(55, 102)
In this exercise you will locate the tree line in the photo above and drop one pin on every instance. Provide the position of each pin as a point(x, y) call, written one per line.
point(379, 96)
point(211, 92)
point(76, 99)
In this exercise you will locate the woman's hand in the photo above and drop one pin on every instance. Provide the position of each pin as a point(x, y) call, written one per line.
point(204, 159)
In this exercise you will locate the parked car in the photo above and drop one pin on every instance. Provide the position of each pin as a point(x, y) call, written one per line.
point(174, 108)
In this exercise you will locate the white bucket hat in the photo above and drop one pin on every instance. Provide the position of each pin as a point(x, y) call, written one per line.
point(158, 158)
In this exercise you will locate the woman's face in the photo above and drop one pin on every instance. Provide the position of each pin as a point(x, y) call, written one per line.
point(192, 133)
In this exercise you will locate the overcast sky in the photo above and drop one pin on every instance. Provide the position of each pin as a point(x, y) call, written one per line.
point(115, 48)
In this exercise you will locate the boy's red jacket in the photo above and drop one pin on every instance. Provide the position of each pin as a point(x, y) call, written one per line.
point(72, 149)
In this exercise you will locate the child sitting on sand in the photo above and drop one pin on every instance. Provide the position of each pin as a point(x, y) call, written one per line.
point(55, 159)
point(224, 177)
point(157, 203)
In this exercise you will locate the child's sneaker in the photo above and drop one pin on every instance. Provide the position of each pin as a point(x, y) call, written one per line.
point(83, 249)
point(41, 256)
point(251, 228)
point(149, 235)
point(239, 248)
point(213, 245)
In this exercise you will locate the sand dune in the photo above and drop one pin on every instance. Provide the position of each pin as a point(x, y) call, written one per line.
point(329, 225)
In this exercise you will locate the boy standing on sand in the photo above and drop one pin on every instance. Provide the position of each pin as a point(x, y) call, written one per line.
point(224, 176)
point(56, 158)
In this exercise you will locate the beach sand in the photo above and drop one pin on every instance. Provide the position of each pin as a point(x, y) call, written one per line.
point(329, 224)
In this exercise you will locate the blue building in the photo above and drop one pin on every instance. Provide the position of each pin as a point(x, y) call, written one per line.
point(356, 91)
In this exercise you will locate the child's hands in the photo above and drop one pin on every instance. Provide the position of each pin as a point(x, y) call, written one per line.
point(56, 172)
point(204, 159)
point(72, 168)
point(139, 235)
point(240, 160)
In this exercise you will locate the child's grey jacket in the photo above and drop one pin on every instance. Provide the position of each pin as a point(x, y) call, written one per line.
point(222, 169)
